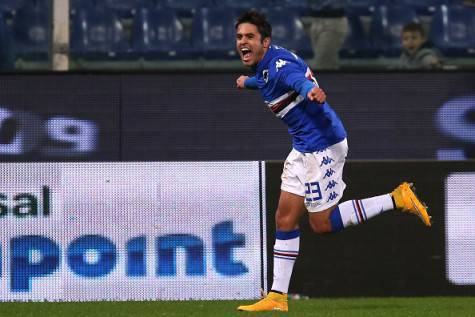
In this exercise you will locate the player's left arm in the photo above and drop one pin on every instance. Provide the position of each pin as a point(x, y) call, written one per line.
point(296, 79)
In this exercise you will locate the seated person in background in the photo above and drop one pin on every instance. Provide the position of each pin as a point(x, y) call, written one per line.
point(417, 51)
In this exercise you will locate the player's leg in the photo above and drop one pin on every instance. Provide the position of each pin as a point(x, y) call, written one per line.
point(325, 187)
point(287, 239)
point(349, 213)
point(354, 212)
point(286, 248)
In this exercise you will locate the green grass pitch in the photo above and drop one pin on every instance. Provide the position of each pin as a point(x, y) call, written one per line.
point(344, 307)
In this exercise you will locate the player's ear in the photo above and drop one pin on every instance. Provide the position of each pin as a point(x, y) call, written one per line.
point(266, 42)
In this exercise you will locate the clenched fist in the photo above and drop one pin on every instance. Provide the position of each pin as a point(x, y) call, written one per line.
point(317, 94)
point(240, 82)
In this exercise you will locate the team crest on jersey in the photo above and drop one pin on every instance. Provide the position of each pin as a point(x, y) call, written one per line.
point(265, 75)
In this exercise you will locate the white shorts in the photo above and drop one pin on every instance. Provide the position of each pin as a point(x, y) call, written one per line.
point(317, 176)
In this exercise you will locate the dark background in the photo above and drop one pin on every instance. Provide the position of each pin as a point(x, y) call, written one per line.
point(85, 97)
point(201, 116)
point(393, 254)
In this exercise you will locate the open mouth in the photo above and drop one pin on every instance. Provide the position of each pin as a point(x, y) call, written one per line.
point(246, 54)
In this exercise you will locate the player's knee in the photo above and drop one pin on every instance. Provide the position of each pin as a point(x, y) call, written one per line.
point(285, 223)
point(320, 226)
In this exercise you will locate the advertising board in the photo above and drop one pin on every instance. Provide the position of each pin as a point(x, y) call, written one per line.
point(132, 231)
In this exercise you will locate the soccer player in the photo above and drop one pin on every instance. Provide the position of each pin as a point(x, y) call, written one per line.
point(312, 176)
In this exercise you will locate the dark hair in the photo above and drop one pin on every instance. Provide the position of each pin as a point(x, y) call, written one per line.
point(259, 20)
point(414, 27)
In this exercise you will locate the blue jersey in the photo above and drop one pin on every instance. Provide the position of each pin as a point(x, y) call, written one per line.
point(284, 81)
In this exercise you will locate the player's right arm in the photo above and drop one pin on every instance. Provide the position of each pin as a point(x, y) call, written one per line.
point(246, 82)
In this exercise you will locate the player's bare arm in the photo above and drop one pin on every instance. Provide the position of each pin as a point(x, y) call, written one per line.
point(317, 94)
point(240, 82)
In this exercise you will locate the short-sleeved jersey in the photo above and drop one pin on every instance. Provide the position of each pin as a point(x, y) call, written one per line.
point(280, 76)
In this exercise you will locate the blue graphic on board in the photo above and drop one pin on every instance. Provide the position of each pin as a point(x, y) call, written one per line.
point(96, 256)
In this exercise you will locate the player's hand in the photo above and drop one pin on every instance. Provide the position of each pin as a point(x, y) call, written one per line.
point(317, 94)
point(240, 82)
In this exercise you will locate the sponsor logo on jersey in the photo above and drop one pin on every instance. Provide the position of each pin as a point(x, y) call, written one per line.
point(280, 63)
point(329, 173)
point(326, 160)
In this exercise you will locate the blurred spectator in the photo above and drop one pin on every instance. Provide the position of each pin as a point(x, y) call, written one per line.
point(328, 31)
point(417, 51)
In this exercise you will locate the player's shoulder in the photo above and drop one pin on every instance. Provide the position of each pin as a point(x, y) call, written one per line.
point(284, 59)
point(284, 54)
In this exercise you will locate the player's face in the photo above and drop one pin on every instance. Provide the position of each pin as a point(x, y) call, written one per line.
point(249, 44)
point(412, 41)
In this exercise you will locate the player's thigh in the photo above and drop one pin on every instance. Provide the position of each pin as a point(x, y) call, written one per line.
point(320, 221)
point(291, 202)
point(291, 207)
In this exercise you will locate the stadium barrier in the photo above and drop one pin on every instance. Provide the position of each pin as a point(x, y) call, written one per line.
point(188, 230)
point(203, 117)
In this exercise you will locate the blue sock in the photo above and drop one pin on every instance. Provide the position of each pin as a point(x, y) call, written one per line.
point(335, 220)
